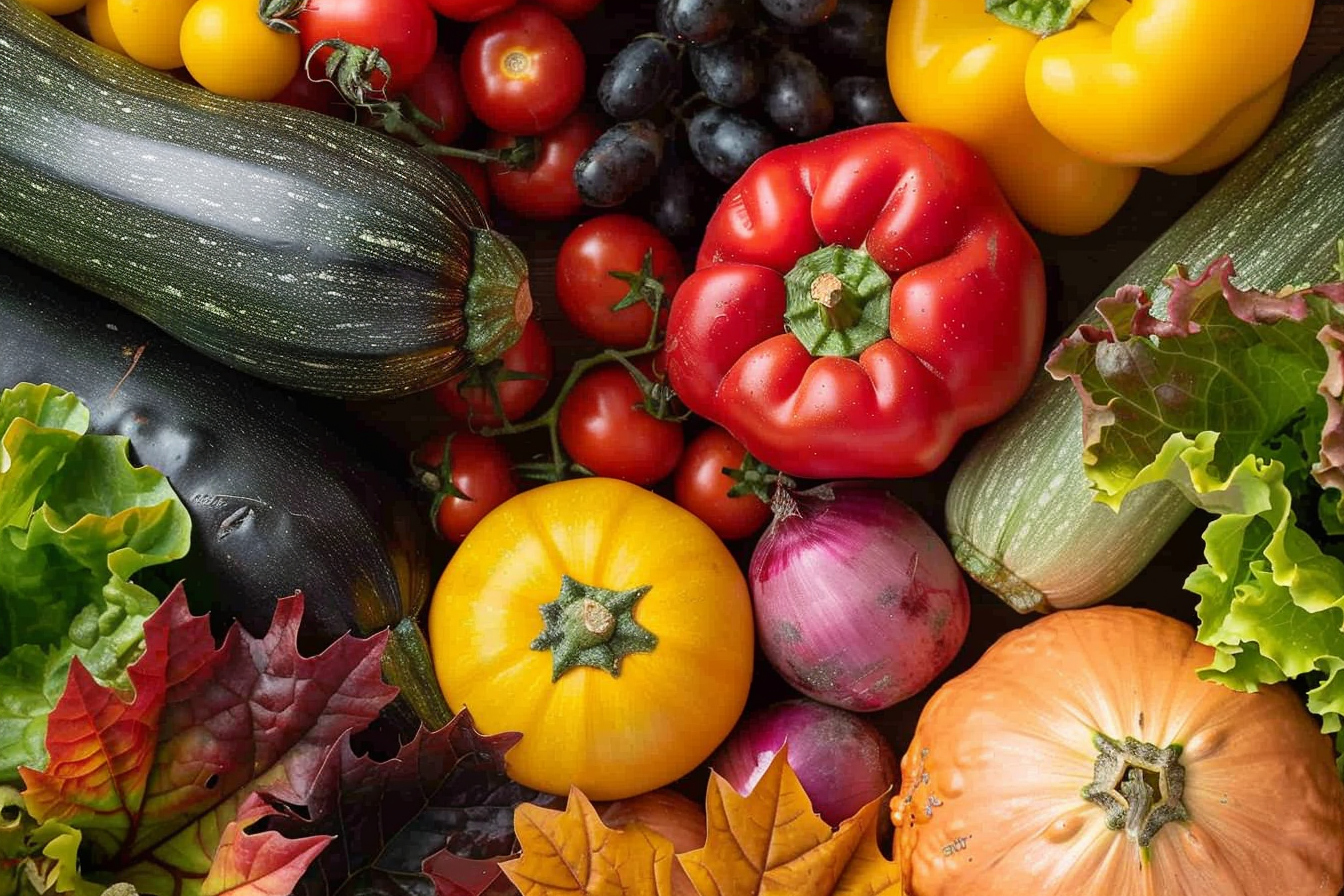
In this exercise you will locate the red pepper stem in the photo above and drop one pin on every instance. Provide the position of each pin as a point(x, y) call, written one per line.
point(838, 302)
point(838, 309)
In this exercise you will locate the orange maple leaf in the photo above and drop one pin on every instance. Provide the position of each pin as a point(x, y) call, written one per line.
point(772, 842)
point(572, 853)
point(769, 843)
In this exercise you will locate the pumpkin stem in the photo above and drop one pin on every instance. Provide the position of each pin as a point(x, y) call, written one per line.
point(1138, 786)
point(591, 626)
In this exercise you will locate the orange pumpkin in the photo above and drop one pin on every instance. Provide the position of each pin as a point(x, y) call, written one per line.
point(1083, 755)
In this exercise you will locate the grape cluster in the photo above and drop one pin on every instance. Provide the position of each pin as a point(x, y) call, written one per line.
point(761, 73)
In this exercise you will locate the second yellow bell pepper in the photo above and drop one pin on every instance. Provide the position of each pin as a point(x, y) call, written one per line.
point(1068, 113)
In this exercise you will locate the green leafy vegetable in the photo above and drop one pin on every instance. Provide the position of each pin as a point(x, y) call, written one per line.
point(1236, 398)
point(77, 522)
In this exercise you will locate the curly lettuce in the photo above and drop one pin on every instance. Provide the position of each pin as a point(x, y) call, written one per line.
point(77, 522)
point(1236, 398)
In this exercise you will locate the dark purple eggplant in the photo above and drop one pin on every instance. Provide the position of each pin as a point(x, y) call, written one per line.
point(278, 504)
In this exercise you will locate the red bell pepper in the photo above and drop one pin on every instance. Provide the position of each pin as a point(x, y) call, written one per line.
point(859, 302)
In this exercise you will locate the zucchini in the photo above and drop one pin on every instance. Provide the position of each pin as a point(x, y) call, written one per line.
point(277, 503)
point(1020, 514)
point(287, 244)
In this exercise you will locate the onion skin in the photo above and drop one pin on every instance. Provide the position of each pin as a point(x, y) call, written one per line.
point(858, 602)
point(841, 760)
point(665, 812)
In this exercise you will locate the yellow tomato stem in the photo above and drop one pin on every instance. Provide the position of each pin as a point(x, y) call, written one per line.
point(591, 626)
point(1107, 12)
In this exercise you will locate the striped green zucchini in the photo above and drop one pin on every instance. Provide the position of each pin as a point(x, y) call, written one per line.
point(287, 244)
point(1020, 514)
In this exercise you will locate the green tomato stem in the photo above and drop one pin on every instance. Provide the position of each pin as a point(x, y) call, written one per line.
point(559, 466)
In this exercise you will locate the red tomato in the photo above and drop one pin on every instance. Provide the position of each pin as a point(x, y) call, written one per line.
point(405, 32)
point(438, 94)
point(474, 174)
point(701, 486)
point(315, 96)
point(470, 10)
point(588, 290)
point(604, 427)
point(475, 479)
point(546, 191)
point(570, 9)
point(520, 377)
point(523, 71)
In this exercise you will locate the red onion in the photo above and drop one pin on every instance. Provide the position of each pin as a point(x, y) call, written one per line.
point(858, 602)
point(841, 760)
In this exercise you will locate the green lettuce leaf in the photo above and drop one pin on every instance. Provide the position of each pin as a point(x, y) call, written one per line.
point(1236, 398)
point(77, 521)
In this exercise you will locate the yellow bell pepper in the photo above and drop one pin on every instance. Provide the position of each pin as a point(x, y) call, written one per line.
point(1067, 114)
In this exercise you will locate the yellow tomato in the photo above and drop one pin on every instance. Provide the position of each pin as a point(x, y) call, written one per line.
point(608, 626)
point(55, 7)
point(229, 50)
point(100, 26)
point(149, 30)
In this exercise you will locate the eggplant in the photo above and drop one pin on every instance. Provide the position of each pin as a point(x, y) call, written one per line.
point(278, 503)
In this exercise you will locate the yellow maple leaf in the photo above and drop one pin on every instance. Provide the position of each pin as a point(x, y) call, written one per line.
point(768, 843)
point(772, 843)
point(572, 853)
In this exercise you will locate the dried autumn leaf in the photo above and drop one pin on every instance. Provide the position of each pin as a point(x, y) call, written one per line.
point(772, 843)
point(154, 783)
point(446, 790)
point(265, 864)
point(573, 852)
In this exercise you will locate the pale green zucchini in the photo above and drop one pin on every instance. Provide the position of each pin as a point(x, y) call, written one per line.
point(1020, 515)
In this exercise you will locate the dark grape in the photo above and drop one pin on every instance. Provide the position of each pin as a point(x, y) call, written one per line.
point(620, 164)
point(796, 96)
point(682, 198)
point(725, 143)
point(705, 21)
point(729, 72)
point(863, 99)
point(638, 79)
point(662, 16)
point(855, 36)
point(800, 13)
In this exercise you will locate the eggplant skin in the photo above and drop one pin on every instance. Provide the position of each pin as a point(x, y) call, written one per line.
point(278, 504)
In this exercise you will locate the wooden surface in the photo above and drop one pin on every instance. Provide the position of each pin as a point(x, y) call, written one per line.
point(1078, 269)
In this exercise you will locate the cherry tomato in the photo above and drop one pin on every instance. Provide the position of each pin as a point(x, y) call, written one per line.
point(588, 288)
point(470, 10)
point(438, 94)
point(474, 479)
point(150, 33)
point(570, 9)
point(229, 50)
point(520, 377)
point(316, 96)
point(405, 32)
point(701, 486)
point(100, 26)
point(474, 174)
point(522, 70)
point(546, 191)
point(604, 427)
point(55, 7)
